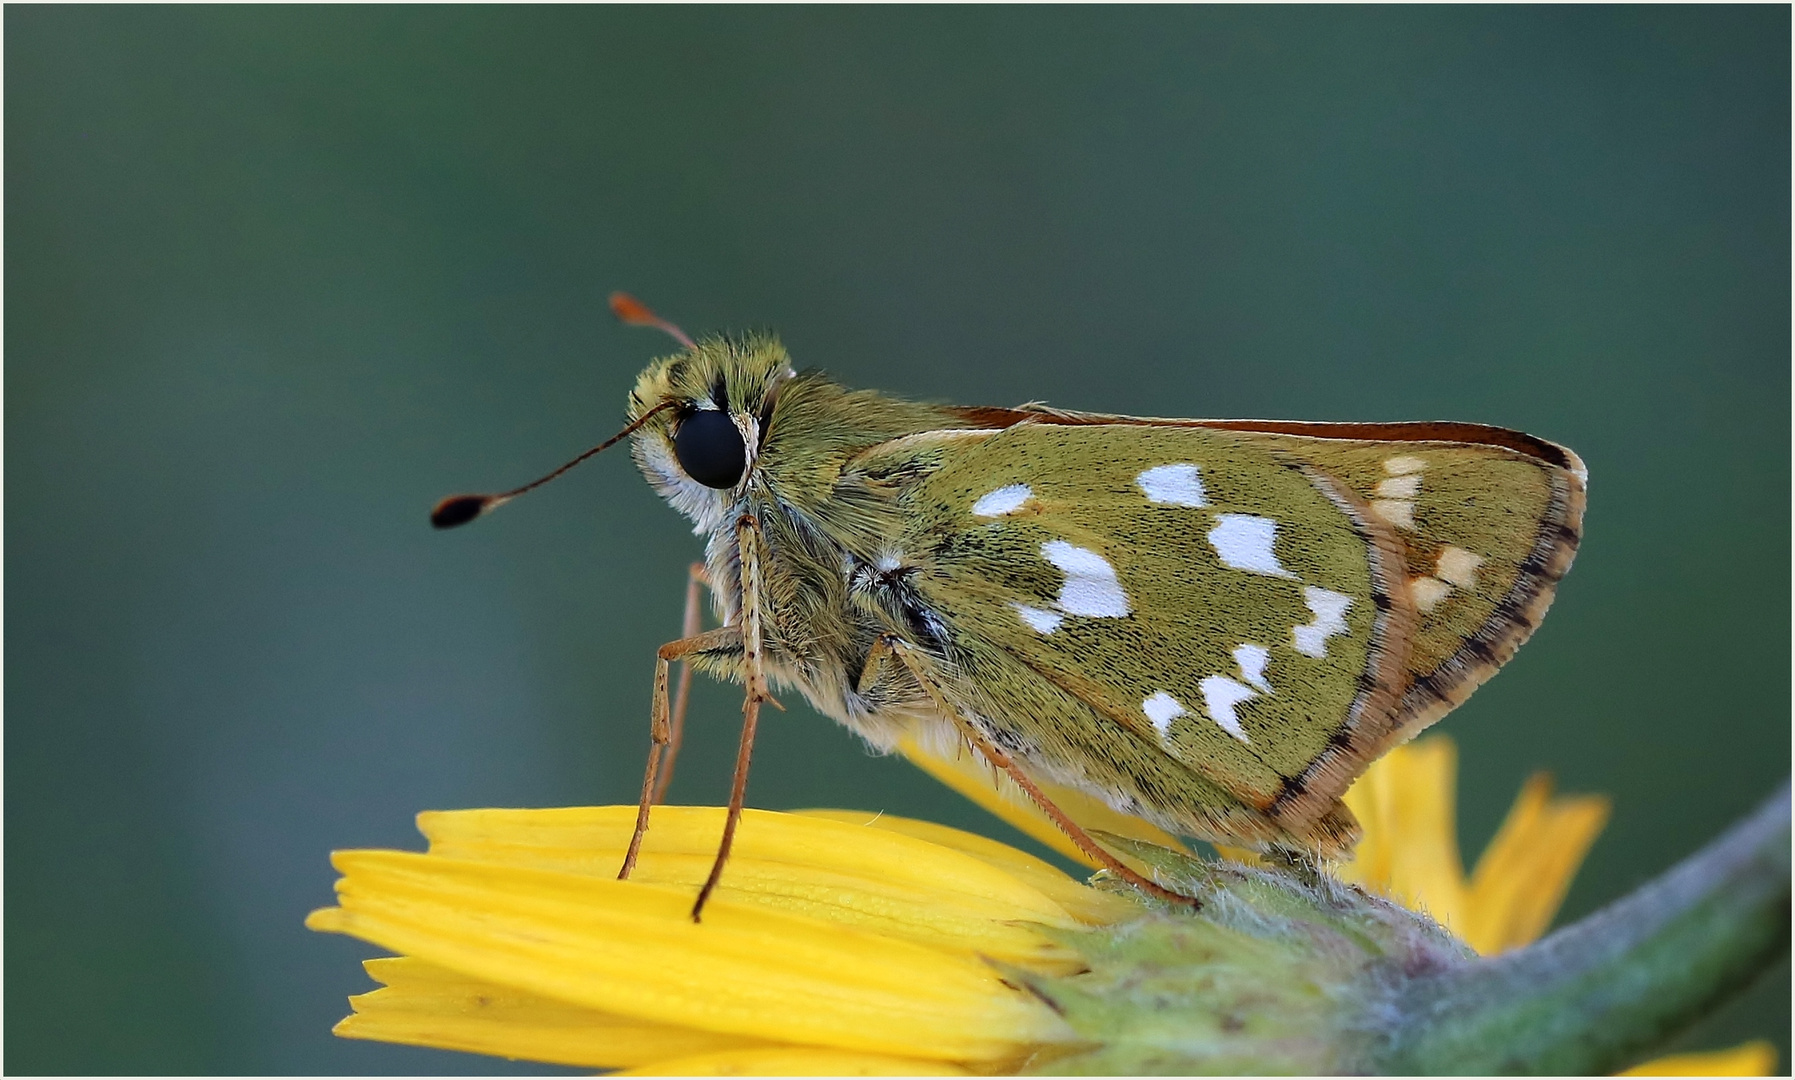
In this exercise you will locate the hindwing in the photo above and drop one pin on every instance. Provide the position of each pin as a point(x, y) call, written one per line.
point(1487, 529)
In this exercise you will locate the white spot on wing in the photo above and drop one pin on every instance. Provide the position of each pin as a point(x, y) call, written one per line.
point(1220, 695)
point(1244, 542)
point(1177, 485)
point(1162, 708)
point(1251, 659)
point(1002, 501)
point(1076, 561)
point(1399, 487)
point(1427, 592)
point(1329, 608)
point(1398, 512)
point(1042, 622)
point(1456, 566)
point(1091, 587)
point(1395, 501)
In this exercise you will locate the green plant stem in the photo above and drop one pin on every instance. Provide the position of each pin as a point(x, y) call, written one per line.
point(1597, 996)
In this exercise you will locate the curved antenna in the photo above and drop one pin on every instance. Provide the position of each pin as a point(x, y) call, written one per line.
point(633, 312)
point(461, 509)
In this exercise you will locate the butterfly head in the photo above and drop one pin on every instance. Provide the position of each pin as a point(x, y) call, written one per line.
point(705, 413)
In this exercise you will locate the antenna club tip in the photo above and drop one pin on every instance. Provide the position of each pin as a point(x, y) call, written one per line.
point(460, 509)
point(631, 311)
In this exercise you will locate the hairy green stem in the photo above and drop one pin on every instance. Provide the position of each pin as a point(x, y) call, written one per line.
point(1596, 996)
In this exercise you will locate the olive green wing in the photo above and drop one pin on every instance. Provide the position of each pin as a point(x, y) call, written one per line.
point(1219, 624)
point(1175, 618)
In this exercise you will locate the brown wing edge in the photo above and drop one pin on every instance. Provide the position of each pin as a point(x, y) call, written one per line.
point(1308, 805)
point(1398, 431)
point(1437, 693)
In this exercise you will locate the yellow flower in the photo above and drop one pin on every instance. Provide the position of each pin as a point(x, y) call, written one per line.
point(846, 942)
point(838, 943)
point(1757, 1058)
point(1409, 852)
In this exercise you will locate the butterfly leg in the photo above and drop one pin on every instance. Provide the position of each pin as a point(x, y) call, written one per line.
point(661, 730)
point(748, 540)
point(888, 644)
point(693, 622)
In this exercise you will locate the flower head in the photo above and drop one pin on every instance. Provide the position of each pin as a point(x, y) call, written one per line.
point(853, 943)
point(839, 942)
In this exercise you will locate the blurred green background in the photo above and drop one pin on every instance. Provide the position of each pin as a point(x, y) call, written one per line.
point(278, 278)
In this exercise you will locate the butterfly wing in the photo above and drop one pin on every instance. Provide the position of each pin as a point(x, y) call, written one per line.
point(1218, 629)
point(1489, 521)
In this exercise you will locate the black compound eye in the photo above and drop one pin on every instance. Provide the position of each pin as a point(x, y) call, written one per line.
point(710, 450)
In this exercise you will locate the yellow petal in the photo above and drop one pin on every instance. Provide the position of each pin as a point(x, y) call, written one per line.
point(424, 1005)
point(795, 1061)
point(976, 780)
point(1409, 852)
point(1523, 875)
point(1749, 1059)
point(1084, 903)
point(884, 882)
point(631, 948)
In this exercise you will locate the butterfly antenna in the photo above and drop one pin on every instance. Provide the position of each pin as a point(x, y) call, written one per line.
point(633, 312)
point(461, 509)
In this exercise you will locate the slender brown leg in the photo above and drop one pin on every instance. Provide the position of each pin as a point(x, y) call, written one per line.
point(747, 538)
point(738, 790)
point(695, 577)
point(898, 648)
point(660, 731)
